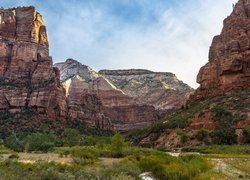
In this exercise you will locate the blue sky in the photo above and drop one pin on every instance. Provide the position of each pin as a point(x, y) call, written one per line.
point(159, 35)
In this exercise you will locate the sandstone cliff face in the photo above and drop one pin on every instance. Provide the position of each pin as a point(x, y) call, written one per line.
point(129, 97)
point(27, 77)
point(28, 80)
point(228, 68)
point(159, 89)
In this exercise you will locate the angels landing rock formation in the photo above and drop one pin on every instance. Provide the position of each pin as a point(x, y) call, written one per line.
point(228, 69)
point(131, 98)
point(28, 80)
point(27, 77)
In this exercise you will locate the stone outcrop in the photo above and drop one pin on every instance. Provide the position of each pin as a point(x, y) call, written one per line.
point(28, 80)
point(228, 69)
point(159, 89)
point(27, 77)
point(129, 97)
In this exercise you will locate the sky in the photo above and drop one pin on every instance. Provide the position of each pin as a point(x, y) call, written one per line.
point(159, 35)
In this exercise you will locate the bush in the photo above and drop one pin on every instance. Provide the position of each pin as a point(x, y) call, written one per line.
point(202, 135)
point(40, 142)
point(14, 155)
point(247, 133)
point(118, 145)
point(14, 143)
point(225, 131)
point(71, 137)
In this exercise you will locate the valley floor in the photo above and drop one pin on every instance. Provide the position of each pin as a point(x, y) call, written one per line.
point(225, 166)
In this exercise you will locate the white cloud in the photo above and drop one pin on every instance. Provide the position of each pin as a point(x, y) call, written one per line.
point(178, 41)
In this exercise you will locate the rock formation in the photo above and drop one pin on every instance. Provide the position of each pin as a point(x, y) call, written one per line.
point(159, 89)
point(228, 69)
point(28, 80)
point(131, 98)
point(27, 77)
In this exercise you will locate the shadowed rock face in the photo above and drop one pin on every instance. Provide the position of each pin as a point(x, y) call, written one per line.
point(228, 68)
point(131, 98)
point(27, 77)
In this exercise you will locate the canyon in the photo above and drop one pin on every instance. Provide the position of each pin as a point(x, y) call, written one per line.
point(132, 99)
point(120, 100)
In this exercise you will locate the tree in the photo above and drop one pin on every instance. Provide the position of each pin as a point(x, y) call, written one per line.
point(117, 145)
point(71, 137)
point(40, 142)
point(224, 132)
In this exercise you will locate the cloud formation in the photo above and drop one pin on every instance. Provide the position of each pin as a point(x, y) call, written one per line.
point(161, 35)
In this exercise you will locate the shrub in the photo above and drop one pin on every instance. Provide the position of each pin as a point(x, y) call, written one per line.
point(71, 137)
point(201, 135)
point(247, 133)
point(224, 132)
point(118, 145)
point(14, 143)
point(14, 155)
point(40, 142)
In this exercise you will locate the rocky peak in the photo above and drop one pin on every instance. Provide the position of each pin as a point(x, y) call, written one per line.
point(27, 77)
point(132, 98)
point(23, 24)
point(228, 69)
point(71, 68)
point(150, 87)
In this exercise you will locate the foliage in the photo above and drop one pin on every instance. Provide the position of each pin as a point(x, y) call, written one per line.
point(71, 137)
point(219, 149)
point(247, 133)
point(40, 142)
point(224, 132)
point(202, 135)
point(14, 143)
point(118, 145)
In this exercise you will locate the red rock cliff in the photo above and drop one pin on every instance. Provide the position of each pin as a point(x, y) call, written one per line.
point(228, 69)
point(27, 77)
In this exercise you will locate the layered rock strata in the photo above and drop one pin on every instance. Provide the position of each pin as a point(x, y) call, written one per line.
point(228, 69)
point(27, 77)
point(28, 80)
point(129, 97)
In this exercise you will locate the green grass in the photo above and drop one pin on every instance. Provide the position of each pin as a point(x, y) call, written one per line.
point(222, 149)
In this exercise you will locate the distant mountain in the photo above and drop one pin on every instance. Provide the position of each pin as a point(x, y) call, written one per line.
point(131, 98)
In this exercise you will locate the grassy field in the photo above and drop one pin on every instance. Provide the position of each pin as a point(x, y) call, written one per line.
point(114, 160)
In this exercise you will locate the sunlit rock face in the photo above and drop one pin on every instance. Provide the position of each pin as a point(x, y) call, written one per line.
point(27, 77)
point(159, 89)
point(228, 69)
point(131, 98)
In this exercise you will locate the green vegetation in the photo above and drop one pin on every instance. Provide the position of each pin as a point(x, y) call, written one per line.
point(112, 160)
point(222, 149)
point(71, 137)
point(202, 135)
point(247, 133)
point(224, 132)
point(227, 110)
point(118, 145)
